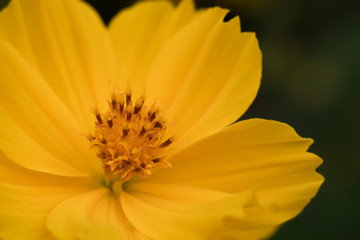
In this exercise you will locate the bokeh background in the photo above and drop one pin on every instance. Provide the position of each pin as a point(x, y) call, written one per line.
point(311, 80)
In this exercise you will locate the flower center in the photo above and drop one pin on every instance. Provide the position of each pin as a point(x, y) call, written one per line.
point(130, 138)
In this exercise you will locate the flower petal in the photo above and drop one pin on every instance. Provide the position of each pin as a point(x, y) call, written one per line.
point(27, 196)
point(93, 215)
point(67, 41)
point(210, 80)
point(139, 32)
point(23, 226)
point(266, 156)
point(163, 211)
point(37, 129)
point(205, 84)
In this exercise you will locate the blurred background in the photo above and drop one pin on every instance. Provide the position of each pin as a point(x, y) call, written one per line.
point(311, 80)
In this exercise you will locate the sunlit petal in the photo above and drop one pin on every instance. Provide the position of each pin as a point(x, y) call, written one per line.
point(69, 44)
point(27, 197)
point(265, 156)
point(180, 212)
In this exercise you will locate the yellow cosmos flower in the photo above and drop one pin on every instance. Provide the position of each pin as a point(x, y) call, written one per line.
point(124, 132)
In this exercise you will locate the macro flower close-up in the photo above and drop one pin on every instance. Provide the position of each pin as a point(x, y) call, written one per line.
point(129, 130)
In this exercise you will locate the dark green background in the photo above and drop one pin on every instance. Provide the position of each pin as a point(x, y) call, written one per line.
point(311, 76)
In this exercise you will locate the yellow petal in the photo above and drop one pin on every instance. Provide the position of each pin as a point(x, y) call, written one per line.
point(204, 72)
point(97, 232)
point(96, 214)
point(138, 34)
point(67, 41)
point(23, 226)
point(27, 197)
point(250, 233)
point(266, 156)
point(28, 191)
point(258, 223)
point(37, 129)
point(206, 75)
point(163, 211)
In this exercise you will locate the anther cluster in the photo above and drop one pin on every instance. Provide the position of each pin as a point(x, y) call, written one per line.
point(130, 137)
